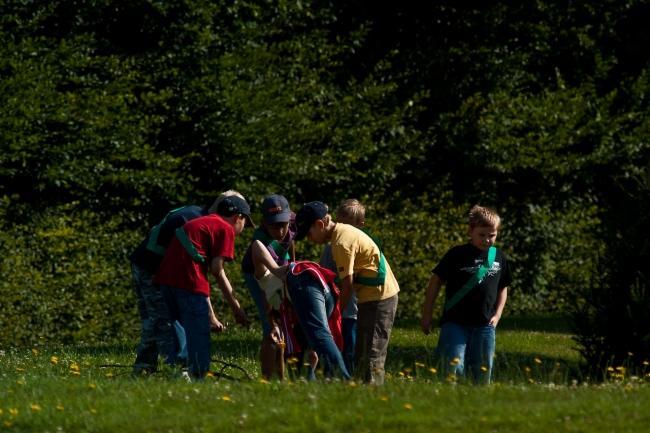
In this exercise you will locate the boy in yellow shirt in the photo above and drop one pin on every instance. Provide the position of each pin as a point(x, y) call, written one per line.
point(364, 271)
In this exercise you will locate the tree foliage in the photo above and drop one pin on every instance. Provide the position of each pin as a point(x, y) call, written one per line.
point(111, 113)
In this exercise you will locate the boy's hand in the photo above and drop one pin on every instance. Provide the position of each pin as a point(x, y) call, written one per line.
point(494, 320)
point(426, 325)
point(216, 325)
point(240, 316)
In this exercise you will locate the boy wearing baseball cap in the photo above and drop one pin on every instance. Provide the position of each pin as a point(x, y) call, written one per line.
point(364, 271)
point(200, 246)
point(276, 233)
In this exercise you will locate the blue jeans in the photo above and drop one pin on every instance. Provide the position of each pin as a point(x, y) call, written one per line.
point(258, 297)
point(157, 332)
point(473, 345)
point(349, 330)
point(313, 305)
point(192, 311)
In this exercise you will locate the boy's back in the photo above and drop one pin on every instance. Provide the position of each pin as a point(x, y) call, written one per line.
point(355, 253)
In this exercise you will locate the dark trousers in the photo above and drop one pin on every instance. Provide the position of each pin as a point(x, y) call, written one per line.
point(192, 311)
point(157, 332)
point(374, 324)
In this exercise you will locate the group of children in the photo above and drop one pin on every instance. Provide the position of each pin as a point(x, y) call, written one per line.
point(338, 313)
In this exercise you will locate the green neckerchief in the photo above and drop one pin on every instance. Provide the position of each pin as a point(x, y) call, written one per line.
point(152, 243)
point(380, 279)
point(189, 246)
point(474, 280)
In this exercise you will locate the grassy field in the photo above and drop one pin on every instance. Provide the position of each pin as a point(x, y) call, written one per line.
point(538, 388)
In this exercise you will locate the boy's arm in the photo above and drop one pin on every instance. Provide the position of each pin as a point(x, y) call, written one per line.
point(433, 289)
point(347, 289)
point(215, 324)
point(262, 260)
point(501, 302)
point(216, 267)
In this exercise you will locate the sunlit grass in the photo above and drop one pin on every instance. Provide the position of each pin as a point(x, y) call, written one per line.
point(73, 389)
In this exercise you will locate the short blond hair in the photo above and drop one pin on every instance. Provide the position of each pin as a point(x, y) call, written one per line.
point(351, 209)
point(481, 216)
point(229, 193)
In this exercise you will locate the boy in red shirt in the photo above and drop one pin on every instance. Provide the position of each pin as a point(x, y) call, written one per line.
point(201, 246)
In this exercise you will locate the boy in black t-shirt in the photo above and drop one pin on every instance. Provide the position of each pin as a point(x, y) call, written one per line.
point(476, 278)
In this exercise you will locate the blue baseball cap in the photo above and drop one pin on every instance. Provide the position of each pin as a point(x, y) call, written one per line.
point(232, 205)
point(310, 212)
point(275, 209)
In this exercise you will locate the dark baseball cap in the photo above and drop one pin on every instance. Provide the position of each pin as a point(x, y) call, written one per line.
point(275, 209)
point(310, 212)
point(232, 205)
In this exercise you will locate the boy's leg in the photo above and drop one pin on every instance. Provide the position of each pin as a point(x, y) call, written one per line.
point(162, 328)
point(311, 306)
point(146, 359)
point(258, 297)
point(366, 318)
point(451, 348)
point(480, 353)
point(267, 347)
point(182, 342)
point(384, 318)
point(349, 330)
point(195, 318)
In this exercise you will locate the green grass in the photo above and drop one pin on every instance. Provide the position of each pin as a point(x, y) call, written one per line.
point(74, 393)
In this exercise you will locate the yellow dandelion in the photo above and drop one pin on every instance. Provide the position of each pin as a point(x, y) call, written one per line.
point(530, 380)
point(646, 362)
point(225, 398)
point(20, 370)
point(419, 364)
point(35, 407)
point(484, 368)
point(93, 410)
point(13, 411)
point(21, 381)
point(630, 354)
point(610, 368)
point(407, 370)
point(92, 386)
point(620, 369)
point(537, 361)
point(454, 361)
point(527, 369)
point(54, 360)
point(451, 378)
point(433, 370)
point(264, 381)
point(400, 374)
point(109, 374)
point(352, 384)
point(209, 374)
point(383, 398)
point(60, 407)
point(75, 373)
point(408, 406)
point(74, 366)
point(35, 351)
point(8, 424)
point(1, 411)
point(292, 360)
